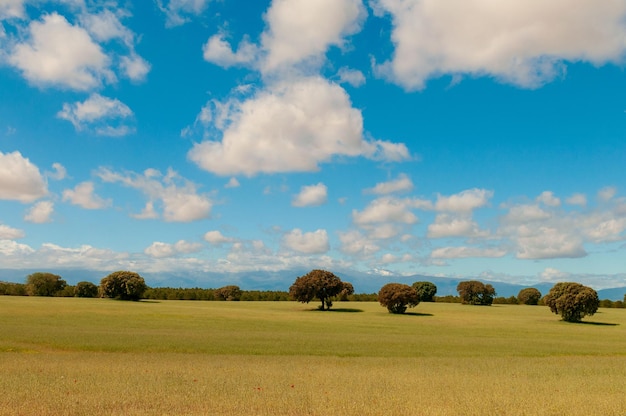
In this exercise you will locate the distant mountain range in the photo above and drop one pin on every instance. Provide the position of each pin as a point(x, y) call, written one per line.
point(281, 280)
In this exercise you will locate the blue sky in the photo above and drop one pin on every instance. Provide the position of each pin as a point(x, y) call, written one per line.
point(458, 138)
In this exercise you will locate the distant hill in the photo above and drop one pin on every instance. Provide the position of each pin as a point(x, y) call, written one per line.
point(281, 280)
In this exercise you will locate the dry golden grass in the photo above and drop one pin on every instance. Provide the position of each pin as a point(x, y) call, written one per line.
point(98, 357)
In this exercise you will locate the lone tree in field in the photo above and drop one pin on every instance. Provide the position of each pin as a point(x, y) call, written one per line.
point(85, 290)
point(473, 292)
point(426, 291)
point(572, 301)
point(529, 296)
point(397, 296)
point(123, 285)
point(231, 293)
point(319, 284)
point(44, 284)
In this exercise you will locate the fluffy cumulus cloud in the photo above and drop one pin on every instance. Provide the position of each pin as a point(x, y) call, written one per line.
point(465, 201)
point(20, 179)
point(216, 238)
point(447, 225)
point(312, 195)
point(352, 77)
point(40, 213)
point(178, 197)
point(356, 244)
point(60, 54)
point(104, 116)
point(11, 8)
point(466, 252)
point(84, 196)
point(523, 42)
point(315, 242)
point(386, 209)
point(10, 233)
point(300, 30)
point(160, 250)
point(402, 184)
point(291, 126)
point(218, 51)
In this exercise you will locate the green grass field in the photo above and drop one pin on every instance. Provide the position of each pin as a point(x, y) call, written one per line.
point(70, 356)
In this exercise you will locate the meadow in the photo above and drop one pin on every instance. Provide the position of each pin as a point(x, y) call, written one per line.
point(73, 356)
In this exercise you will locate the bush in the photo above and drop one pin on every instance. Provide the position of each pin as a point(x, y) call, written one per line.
point(85, 290)
point(123, 285)
point(529, 296)
point(572, 301)
point(44, 284)
point(473, 292)
point(426, 291)
point(397, 296)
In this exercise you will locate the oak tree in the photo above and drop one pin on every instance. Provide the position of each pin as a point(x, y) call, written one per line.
point(572, 301)
point(397, 296)
point(320, 284)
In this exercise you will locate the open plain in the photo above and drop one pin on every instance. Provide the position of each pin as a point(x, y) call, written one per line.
point(71, 356)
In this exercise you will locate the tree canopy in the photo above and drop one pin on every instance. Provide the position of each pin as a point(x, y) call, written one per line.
point(529, 296)
point(426, 291)
point(572, 301)
point(473, 292)
point(320, 284)
point(123, 285)
point(44, 284)
point(397, 296)
point(230, 292)
point(85, 290)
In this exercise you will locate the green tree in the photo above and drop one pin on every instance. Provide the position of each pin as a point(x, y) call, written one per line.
point(397, 296)
point(319, 284)
point(473, 292)
point(572, 301)
point(85, 290)
point(426, 291)
point(123, 285)
point(44, 284)
point(347, 290)
point(529, 296)
point(231, 293)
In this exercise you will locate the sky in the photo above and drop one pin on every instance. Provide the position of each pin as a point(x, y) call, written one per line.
point(453, 138)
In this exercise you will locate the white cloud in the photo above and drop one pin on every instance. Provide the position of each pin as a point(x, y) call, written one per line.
point(447, 225)
point(20, 180)
point(178, 196)
point(147, 213)
point(553, 275)
point(40, 212)
point(59, 172)
point(577, 199)
point(178, 12)
point(310, 243)
point(96, 113)
point(401, 184)
point(215, 237)
point(355, 243)
point(548, 198)
point(464, 201)
point(105, 26)
point(11, 249)
point(523, 42)
point(351, 76)
point(546, 242)
point(386, 209)
point(232, 183)
point(83, 195)
point(607, 193)
point(10, 233)
point(61, 54)
point(218, 51)
point(11, 9)
point(302, 30)
point(135, 67)
point(466, 252)
point(312, 195)
point(290, 127)
point(161, 250)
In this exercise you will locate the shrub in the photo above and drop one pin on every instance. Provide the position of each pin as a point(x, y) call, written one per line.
point(426, 291)
point(529, 296)
point(397, 296)
point(572, 301)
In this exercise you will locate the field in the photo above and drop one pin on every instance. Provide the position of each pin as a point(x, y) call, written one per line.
point(70, 356)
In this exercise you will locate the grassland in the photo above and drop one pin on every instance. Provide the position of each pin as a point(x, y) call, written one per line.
point(61, 356)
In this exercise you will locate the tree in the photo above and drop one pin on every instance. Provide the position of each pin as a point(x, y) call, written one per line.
point(572, 301)
point(319, 284)
point(397, 296)
point(44, 284)
point(529, 296)
point(230, 292)
point(347, 290)
point(86, 290)
point(473, 292)
point(123, 285)
point(426, 291)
